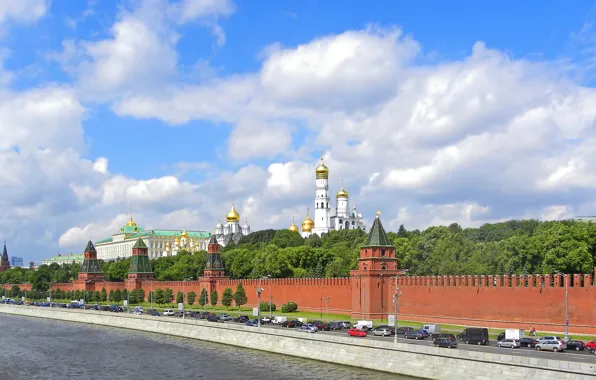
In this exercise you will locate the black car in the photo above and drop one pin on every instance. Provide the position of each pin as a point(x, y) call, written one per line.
point(445, 342)
point(415, 334)
point(214, 318)
point(577, 345)
point(291, 324)
point(403, 330)
point(321, 325)
point(527, 342)
point(476, 339)
point(240, 319)
point(336, 326)
point(444, 336)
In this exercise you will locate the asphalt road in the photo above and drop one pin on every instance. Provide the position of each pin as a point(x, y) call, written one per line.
point(573, 356)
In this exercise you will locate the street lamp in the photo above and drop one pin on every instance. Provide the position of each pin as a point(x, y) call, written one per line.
point(321, 307)
point(151, 294)
point(327, 308)
point(259, 290)
point(395, 299)
point(205, 300)
point(183, 283)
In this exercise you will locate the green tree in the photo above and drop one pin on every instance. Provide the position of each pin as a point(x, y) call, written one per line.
point(140, 295)
point(133, 297)
point(97, 296)
point(159, 296)
point(240, 296)
point(179, 297)
point(104, 295)
point(191, 297)
point(117, 295)
point(214, 297)
point(227, 297)
point(168, 295)
point(203, 298)
point(111, 296)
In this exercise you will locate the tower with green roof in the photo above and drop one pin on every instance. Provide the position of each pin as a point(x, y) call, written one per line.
point(140, 266)
point(371, 282)
point(90, 269)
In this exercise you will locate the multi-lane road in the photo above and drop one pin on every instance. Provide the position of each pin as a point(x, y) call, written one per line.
point(574, 356)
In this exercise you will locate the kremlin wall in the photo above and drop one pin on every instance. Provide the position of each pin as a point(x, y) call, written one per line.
point(485, 301)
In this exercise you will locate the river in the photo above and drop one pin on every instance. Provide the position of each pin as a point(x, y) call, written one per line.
point(37, 349)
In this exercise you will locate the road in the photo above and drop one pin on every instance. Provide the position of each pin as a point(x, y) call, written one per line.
point(572, 356)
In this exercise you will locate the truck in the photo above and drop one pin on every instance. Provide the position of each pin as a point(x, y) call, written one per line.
point(433, 330)
point(363, 325)
point(514, 334)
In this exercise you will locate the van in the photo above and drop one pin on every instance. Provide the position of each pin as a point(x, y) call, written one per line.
point(474, 335)
point(363, 325)
point(514, 334)
point(279, 320)
point(168, 312)
point(432, 329)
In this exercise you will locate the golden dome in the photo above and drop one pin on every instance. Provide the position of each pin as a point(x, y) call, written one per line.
point(131, 223)
point(177, 239)
point(233, 216)
point(307, 223)
point(184, 234)
point(322, 171)
point(342, 193)
point(294, 227)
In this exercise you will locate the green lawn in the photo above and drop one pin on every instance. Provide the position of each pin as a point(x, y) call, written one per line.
point(317, 316)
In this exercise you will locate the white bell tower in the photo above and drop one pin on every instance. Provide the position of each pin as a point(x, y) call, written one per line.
point(322, 203)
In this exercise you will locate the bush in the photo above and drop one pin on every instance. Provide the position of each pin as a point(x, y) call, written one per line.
point(265, 306)
point(289, 307)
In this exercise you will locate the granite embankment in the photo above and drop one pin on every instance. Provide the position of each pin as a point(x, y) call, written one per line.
point(413, 360)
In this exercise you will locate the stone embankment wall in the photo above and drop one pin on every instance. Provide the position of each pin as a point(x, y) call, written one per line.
point(413, 360)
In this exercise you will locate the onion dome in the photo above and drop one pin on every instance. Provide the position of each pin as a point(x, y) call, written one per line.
point(233, 215)
point(293, 227)
point(246, 226)
point(322, 171)
point(219, 225)
point(131, 223)
point(177, 239)
point(184, 234)
point(307, 223)
point(342, 193)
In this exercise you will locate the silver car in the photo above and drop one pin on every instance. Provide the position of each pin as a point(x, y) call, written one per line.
point(509, 343)
point(382, 331)
point(550, 345)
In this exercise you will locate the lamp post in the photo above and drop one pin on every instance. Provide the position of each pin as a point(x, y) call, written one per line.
point(183, 296)
point(327, 308)
point(395, 301)
point(151, 295)
point(321, 307)
point(259, 290)
point(566, 281)
point(205, 300)
point(270, 302)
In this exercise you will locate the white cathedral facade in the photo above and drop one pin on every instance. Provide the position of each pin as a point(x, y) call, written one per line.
point(326, 219)
point(231, 231)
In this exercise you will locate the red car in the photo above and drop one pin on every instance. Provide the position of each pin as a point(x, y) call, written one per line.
point(591, 346)
point(356, 332)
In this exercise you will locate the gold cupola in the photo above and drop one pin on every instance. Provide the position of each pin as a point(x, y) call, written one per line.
point(233, 215)
point(307, 223)
point(322, 171)
point(184, 234)
point(293, 227)
point(131, 223)
point(342, 193)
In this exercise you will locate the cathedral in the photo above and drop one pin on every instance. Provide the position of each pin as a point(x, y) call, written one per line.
point(231, 231)
point(325, 220)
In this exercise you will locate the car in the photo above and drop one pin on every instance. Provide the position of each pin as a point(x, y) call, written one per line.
point(168, 312)
point(576, 345)
point(252, 323)
point(291, 323)
point(336, 326)
point(509, 343)
point(225, 317)
point(550, 345)
point(591, 346)
point(357, 332)
point(415, 334)
point(311, 325)
point(240, 319)
point(528, 342)
point(474, 335)
point(445, 342)
point(445, 336)
point(308, 328)
point(545, 338)
point(266, 320)
point(321, 325)
point(346, 324)
point(391, 328)
point(214, 318)
point(403, 330)
point(382, 331)
point(501, 336)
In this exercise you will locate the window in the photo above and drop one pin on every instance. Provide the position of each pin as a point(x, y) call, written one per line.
point(384, 267)
point(382, 253)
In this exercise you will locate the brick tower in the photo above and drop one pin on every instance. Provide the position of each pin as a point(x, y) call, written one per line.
point(371, 281)
point(140, 266)
point(214, 265)
point(4, 262)
point(90, 269)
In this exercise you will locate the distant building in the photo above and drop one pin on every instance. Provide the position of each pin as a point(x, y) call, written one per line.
point(586, 219)
point(63, 259)
point(16, 261)
point(4, 262)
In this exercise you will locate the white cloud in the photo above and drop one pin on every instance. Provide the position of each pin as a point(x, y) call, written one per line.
point(259, 138)
point(190, 10)
point(24, 11)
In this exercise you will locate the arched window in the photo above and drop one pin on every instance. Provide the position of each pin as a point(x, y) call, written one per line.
point(347, 224)
point(384, 267)
point(382, 253)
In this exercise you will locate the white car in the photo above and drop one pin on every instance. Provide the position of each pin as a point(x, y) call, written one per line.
point(266, 319)
point(509, 343)
point(168, 312)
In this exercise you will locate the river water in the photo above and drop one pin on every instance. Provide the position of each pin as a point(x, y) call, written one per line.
point(35, 349)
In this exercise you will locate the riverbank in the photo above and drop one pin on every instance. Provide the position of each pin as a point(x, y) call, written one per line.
point(406, 359)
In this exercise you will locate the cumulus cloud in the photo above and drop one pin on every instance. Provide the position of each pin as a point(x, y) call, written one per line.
point(259, 138)
point(23, 11)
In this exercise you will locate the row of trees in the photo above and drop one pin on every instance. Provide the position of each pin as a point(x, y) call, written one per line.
point(513, 247)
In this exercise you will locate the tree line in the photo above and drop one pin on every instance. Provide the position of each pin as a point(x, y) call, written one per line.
point(512, 247)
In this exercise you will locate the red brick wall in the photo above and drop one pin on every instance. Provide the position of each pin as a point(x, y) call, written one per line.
point(21, 286)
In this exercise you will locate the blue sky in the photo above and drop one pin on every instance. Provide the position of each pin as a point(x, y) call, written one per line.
point(434, 112)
